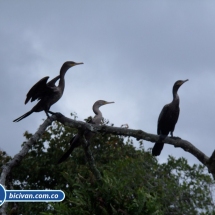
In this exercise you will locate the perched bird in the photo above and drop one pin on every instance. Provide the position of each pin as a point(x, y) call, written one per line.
point(75, 141)
point(47, 93)
point(168, 119)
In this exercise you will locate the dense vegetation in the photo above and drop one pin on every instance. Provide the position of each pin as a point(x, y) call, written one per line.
point(133, 182)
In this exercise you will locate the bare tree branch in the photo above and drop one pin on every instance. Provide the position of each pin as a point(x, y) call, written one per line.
point(139, 134)
point(6, 169)
point(82, 126)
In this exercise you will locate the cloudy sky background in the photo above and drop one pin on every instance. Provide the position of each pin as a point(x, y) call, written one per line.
point(133, 52)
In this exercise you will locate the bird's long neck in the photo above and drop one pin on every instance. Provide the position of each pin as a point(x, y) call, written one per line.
point(62, 80)
point(176, 99)
point(98, 117)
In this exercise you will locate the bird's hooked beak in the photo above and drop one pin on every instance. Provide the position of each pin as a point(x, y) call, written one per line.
point(184, 81)
point(108, 103)
point(77, 63)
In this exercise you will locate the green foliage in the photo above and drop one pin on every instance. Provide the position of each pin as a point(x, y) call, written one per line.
point(4, 158)
point(133, 182)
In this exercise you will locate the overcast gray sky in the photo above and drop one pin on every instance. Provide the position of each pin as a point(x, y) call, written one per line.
point(133, 52)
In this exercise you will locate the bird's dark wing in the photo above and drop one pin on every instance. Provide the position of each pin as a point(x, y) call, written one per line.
point(41, 89)
point(53, 81)
point(167, 119)
point(36, 90)
point(162, 128)
point(162, 117)
point(175, 115)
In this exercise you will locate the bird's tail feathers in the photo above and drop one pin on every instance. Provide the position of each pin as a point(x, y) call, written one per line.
point(23, 116)
point(156, 150)
point(74, 143)
point(66, 155)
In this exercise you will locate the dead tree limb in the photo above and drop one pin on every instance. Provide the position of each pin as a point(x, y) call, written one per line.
point(139, 134)
point(6, 169)
point(209, 162)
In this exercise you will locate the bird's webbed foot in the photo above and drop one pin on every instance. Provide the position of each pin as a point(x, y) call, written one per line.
point(58, 114)
point(51, 112)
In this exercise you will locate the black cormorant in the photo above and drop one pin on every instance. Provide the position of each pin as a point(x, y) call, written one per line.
point(168, 119)
point(47, 93)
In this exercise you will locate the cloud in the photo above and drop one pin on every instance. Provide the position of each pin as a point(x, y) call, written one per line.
point(132, 54)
